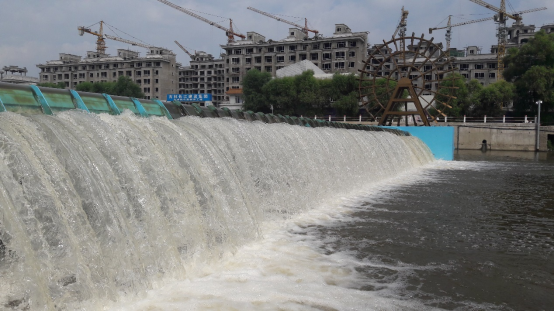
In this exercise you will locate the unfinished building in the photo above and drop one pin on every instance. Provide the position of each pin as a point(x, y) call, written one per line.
point(205, 74)
point(155, 73)
point(343, 52)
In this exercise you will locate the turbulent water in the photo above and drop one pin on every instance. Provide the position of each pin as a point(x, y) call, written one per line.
point(98, 208)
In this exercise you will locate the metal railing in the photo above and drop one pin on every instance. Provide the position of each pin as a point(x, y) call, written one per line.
point(464, 119)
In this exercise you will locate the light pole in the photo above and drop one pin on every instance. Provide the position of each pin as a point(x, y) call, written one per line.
point(538, 125)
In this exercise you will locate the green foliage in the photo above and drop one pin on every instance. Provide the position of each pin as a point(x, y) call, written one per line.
point(126, 87)
point(254, 99)
point(123, 87)
point(531, 69)
point(300, 95)
point(454, 91)
point(59, 85)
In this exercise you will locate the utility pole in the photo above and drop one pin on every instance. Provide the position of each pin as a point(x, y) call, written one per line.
point(538, 125)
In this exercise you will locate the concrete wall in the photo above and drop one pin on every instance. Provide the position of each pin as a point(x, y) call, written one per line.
point(499, 136)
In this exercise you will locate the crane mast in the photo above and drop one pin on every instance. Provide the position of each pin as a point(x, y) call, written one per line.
point(229, 31)
point(401, 28)
point(183, 48)
point(100, 43)
point(501, 33)
point(304, 28)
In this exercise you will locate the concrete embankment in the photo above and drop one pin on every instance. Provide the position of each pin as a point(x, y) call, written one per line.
point(498, 136)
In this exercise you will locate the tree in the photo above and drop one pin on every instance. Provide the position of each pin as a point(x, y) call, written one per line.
point(452, 90)
point(84, 86)
point(59, 85)
point(254, 98)
point(126, 87)
point(531, 69)
point(344, 92)
point(280, 92)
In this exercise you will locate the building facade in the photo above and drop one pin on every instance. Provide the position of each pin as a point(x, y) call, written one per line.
point(345, 51)
point(205, 74)
point(156, 73)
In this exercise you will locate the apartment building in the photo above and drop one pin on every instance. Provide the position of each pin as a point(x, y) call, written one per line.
point(205, 74)
point(344, 51)
point(156, 73)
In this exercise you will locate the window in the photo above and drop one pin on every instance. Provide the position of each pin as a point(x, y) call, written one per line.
point(91, 75)
point(269, 69)
point(339, 65)
point(235, 70)
point(138, 81)
point(292, 58)
point(466, 76)
point(292, 48)
point(281, 49)
point(479, 75)
point(129, 73)
point(478, 66)
point(45, 77)
point(235, 79)
point(491, 65)
point(146, 72)
point(315, 46)
point(268, 59)
point(352, 64)
point(327, 56)
point(339, 55)
point(428, 77)
point(351, 54)
point(492, 75)
point(464, 66)
point(235, 61)
point(302, 56)
point(238, 51)
point(270, 49)
point(248, 60)
point(352, 43)
point(326, 66)
point(66, 76)
point(280, 59)
point(258, 59)
point(341, 44)
point(249, 50)
point(146, 90)
point(327, 46)
point(314, 56)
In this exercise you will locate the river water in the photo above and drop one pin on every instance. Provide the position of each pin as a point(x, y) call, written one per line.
point(125, 213)
point(471, 234)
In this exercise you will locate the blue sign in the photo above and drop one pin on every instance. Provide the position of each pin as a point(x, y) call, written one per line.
point(201, 97)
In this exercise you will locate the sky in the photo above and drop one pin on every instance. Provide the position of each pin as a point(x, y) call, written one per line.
point(36, 31)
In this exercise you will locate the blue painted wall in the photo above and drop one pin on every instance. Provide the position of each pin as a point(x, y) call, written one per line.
point(439, 139)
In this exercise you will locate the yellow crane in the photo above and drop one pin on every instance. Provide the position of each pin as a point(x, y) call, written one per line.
point(229, 31)
point(501, 19)
point(100, 43)
point(304, 28)
point(401, 28)
point(186, 51)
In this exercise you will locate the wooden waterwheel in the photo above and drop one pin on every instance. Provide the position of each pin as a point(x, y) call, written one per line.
point(406, 70)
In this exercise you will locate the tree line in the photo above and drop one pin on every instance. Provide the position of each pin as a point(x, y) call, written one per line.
point(124, 86)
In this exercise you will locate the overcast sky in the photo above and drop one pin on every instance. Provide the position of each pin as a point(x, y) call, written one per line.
point(36, 31)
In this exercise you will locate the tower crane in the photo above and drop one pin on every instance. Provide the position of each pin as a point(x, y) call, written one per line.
point(186, 51)
point(401, 28)
point(304, 28)
point(129, 42)
point(100, 44)
point(501, 19)
point(229, 31)
point(449, 28)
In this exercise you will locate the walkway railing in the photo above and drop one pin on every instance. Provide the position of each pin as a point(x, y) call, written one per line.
point(464, 119)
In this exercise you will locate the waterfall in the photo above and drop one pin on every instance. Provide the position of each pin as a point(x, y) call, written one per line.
point(93, 206)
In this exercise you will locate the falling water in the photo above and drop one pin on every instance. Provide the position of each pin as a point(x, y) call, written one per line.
point(96, 206)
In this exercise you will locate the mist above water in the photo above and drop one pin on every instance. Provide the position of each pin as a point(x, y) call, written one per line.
point(94, 207)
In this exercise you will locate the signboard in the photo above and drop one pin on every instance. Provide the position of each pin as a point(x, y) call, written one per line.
point(201, 97)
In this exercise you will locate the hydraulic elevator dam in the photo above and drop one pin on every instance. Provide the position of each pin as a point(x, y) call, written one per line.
point(97, 201)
